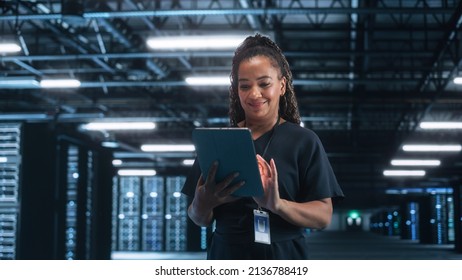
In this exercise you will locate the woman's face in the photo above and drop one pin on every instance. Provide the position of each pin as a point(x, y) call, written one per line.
point(260, 88)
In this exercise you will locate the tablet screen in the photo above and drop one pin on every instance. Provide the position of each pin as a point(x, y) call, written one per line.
point(234, 150)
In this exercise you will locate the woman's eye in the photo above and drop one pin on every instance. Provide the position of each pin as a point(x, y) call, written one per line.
point(244, 87)
point(263, 85)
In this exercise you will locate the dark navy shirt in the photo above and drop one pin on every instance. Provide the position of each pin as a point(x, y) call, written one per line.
point(304, 174)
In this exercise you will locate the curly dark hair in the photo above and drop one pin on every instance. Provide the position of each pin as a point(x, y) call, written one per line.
point(259, 45)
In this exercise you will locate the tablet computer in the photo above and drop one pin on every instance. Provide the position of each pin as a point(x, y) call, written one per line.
point(234, 150)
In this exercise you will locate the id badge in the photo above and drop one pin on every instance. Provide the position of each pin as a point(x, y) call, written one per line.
point(261, 226)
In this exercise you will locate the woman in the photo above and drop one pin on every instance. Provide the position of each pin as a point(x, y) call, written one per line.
point(298, 181)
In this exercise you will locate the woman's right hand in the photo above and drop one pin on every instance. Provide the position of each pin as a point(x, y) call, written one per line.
point(210, 194)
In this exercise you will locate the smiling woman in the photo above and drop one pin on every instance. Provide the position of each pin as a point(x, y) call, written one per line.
point(260, 88)
point(297, 178)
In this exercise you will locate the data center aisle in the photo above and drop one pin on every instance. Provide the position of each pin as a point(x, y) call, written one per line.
point(340, 245)
point(362, 245)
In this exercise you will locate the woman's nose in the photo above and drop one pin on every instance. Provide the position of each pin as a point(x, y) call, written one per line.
point(254, 92)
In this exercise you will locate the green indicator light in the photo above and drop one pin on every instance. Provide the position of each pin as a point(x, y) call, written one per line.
point(353, 214)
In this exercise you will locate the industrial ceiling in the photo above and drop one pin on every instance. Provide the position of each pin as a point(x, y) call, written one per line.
point(366, 74)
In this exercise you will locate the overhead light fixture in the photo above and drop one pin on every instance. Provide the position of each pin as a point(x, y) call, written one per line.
point(432, 148)
point(118, 126)
point(195, 42)
point(414, 173)
point(208, 81)
point(441, 125)
point(60, 83)
point(168, 148)
point(415, 162)
point(136, 172)
point(188, 162)
point(116, 162)
point(19, 82)
point(458, 80)
point(110, 144)
point(9, 48)
point(3, 159)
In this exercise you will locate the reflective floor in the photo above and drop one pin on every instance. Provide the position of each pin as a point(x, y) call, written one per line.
point(339, 245)
point(335, 245)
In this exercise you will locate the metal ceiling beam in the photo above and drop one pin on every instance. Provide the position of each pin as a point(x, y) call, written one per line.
point(449, 38)
point(236, 12)
point(176, 54)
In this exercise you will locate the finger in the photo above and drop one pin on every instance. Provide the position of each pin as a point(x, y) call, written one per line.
point(200, 181)
point(225, 183)
point(212, 172)
point(231, 189)
point(274, 171)
point(263, 166)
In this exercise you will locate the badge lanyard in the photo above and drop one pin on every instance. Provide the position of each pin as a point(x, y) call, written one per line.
point(261, 218)
point(271, 137)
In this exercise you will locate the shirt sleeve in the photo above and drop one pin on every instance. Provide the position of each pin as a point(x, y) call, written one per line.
point(318, 180)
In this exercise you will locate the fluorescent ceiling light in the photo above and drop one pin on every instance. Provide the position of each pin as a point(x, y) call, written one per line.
point(60, 83)
point(110, 144)
point(441, 125)
point(9, 48)
point(208, 81)
point(458, 80)
point(136, 172)
point(416, 173)
point(119, 126)
point(195, 42)
point(19, 82)
point(116, 162)
point(3, 159)
point(415, 162)
point(432, 148)
point(168, 148)
point(188, 162)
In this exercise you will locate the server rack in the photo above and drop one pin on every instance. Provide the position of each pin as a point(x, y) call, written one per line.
point(176, 215)
point(150, 214)
point(386, 222)
point(435, 223)
point(10, 160)
point(48, 191)
point(410, 221)
point(152, 217)
point(450, 218)
point(129, 233)
point(72, 175)
point(439, 219)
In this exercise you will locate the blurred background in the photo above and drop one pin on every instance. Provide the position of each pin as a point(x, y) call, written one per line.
point(98, 100)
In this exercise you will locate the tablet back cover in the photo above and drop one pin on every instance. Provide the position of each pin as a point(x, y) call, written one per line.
point(234, 150)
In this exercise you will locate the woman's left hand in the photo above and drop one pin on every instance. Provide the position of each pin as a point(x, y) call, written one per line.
point(269, 178)
point(312, 214)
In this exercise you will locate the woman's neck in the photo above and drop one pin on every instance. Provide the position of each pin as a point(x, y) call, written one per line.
point(258, 128)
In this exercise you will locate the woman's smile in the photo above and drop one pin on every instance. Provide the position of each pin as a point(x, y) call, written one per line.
point(258, 104)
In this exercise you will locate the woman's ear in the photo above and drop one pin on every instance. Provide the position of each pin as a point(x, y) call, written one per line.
point(283, 86)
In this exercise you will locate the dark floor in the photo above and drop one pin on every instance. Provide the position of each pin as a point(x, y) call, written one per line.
point(360, 245)
point(339, 245)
